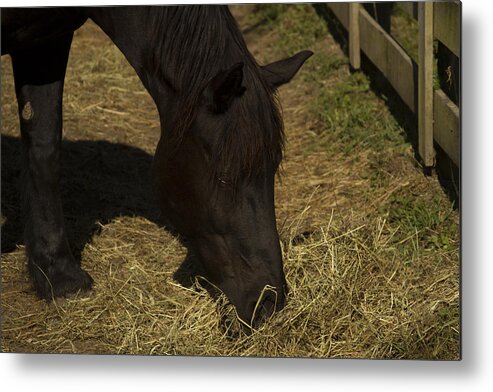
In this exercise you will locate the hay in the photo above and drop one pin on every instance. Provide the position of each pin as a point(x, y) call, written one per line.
point(353, 293)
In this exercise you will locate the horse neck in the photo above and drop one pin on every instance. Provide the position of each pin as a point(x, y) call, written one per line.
point(168, 42)
point(125, 26)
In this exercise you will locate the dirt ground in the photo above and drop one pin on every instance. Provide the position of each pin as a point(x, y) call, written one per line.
point(350, 294)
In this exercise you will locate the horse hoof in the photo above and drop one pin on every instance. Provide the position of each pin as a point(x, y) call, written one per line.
point(62, 283)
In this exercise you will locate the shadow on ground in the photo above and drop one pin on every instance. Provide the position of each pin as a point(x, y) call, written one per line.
point(100, 181)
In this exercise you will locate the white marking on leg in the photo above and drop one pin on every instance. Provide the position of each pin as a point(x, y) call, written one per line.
point(27, 111)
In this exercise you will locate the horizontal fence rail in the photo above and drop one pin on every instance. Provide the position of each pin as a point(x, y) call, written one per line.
point(438, 116)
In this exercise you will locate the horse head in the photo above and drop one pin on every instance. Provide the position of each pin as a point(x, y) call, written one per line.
point(214, 168)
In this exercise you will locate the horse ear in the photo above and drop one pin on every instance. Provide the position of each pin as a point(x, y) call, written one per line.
point(223, 88)
point(283, 71)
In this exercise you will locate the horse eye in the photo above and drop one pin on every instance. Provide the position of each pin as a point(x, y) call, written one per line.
point(222, 179)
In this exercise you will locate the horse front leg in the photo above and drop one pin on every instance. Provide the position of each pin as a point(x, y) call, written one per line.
point(39, 75)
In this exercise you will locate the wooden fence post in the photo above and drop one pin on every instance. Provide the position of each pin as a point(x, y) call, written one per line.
point(425, 83)
point(438, 117)
point(354, 42)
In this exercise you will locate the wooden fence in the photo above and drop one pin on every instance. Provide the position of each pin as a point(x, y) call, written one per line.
point(437, 115)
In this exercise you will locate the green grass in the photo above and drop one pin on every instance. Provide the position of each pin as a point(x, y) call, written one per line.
point(297, 28)
point(354, 120)
point(267, 13)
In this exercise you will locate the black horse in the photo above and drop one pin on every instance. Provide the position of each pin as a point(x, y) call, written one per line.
point(221, 140)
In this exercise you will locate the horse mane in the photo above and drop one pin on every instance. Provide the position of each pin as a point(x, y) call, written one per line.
point(200, 41)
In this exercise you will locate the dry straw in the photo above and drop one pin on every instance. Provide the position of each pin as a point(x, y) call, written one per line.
point(352, 291)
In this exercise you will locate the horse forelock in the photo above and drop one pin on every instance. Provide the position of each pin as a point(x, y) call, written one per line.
point(199, 42)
